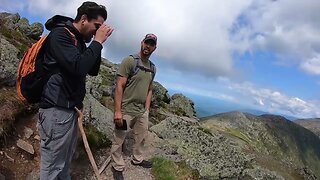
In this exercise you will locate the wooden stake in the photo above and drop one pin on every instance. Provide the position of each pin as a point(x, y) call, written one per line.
point(86, 144)
point(104, 165)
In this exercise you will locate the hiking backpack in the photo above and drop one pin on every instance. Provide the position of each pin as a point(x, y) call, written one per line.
point(30, 75)
point(137, 66)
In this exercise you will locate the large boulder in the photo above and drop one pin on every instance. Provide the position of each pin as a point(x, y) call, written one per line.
point(182, 105)
point(211, 153)
point(33, 31)
point(9, 20)
point(101, 84)
point(13, 22)
point(8, 62)
point(159, 94)
point(98, 115)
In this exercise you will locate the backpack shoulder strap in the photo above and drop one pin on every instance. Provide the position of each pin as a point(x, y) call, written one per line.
point(72, 35)
point(137, 64)
point(153, 70)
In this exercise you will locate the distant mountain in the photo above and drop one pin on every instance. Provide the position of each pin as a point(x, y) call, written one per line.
point(276, 143)
point(205, 106)
point(259, 113)
point(311, 124)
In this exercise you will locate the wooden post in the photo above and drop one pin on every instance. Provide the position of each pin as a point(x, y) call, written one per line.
point(86, 144)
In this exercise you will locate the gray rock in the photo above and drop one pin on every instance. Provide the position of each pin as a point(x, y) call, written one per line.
point(36, 137)
point(4, 15)
point(36, 30)
point(10, 20)
point(25, 146)
point(261, 174)
point(8, 62)
point(23, 25)
point(33, 31)
point(213, 155)
point(15, 22)
point(182, 105)
point(27, 132)
point(34, 175)
point(98, 115)
point(159, 94)
point(100, 85)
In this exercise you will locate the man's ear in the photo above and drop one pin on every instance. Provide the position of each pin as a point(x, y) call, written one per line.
point(83, 18)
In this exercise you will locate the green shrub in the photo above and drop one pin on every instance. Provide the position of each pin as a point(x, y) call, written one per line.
point(96, 139)
point(165, 169)
point(205, 130)
point(239, 134)
point(17, 39)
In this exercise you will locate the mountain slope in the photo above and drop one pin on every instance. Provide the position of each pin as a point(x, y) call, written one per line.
point(273, 140)
point(311, 124)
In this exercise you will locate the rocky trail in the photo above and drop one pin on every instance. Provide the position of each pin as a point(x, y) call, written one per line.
point(20, 157)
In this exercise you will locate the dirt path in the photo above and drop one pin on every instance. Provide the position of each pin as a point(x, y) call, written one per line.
point(131, 173)
point(16, 164)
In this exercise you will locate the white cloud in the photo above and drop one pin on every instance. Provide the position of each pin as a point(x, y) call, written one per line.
point(192, 35)
point(201, 36)
point(289, 28)
point(312, 65)
point(275, 101)
point(246, 94)
point(11, 6)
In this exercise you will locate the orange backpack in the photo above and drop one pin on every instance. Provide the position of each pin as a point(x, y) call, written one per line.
point(26, 75)
point(30, 78)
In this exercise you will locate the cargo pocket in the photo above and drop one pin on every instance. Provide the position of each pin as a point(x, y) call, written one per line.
point(63, 122)
point(45, 125)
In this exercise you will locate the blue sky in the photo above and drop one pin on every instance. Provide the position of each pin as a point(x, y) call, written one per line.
point(259, 54)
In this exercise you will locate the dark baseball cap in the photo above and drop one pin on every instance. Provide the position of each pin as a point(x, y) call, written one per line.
point(151, 37)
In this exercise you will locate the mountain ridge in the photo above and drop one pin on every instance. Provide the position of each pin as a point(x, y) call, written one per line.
point(272, 135)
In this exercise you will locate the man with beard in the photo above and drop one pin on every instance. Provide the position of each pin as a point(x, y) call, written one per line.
point(66, 62)
point(132, 101)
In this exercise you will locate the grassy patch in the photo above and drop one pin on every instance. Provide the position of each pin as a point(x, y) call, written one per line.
point(165, 169)
point(238, 134)
point(17, 39)
point(96, 139)
point(107, 77)
point(178, 111)
point(107, 101)
point(205, 130)
point(11, 109)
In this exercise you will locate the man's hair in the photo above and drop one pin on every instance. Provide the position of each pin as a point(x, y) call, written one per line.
point(92, 10)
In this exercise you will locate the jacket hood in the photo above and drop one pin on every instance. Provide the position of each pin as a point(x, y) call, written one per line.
point(57, 21)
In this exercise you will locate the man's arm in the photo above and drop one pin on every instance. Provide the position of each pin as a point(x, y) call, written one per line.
point(149, 97)
point(95, 70)
point(68, 55)
point(101, 36)
point(121, 83)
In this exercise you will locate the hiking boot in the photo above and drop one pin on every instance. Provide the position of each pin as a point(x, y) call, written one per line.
point(117, 175)
point(144, 164)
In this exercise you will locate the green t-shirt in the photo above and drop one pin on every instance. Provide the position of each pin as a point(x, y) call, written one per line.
point(135, 93)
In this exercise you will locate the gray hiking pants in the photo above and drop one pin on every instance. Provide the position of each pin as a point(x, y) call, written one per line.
point(59, 133)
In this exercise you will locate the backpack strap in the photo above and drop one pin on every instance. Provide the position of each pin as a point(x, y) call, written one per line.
point(138, 65)
point(154, 70)
point(73, 36)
